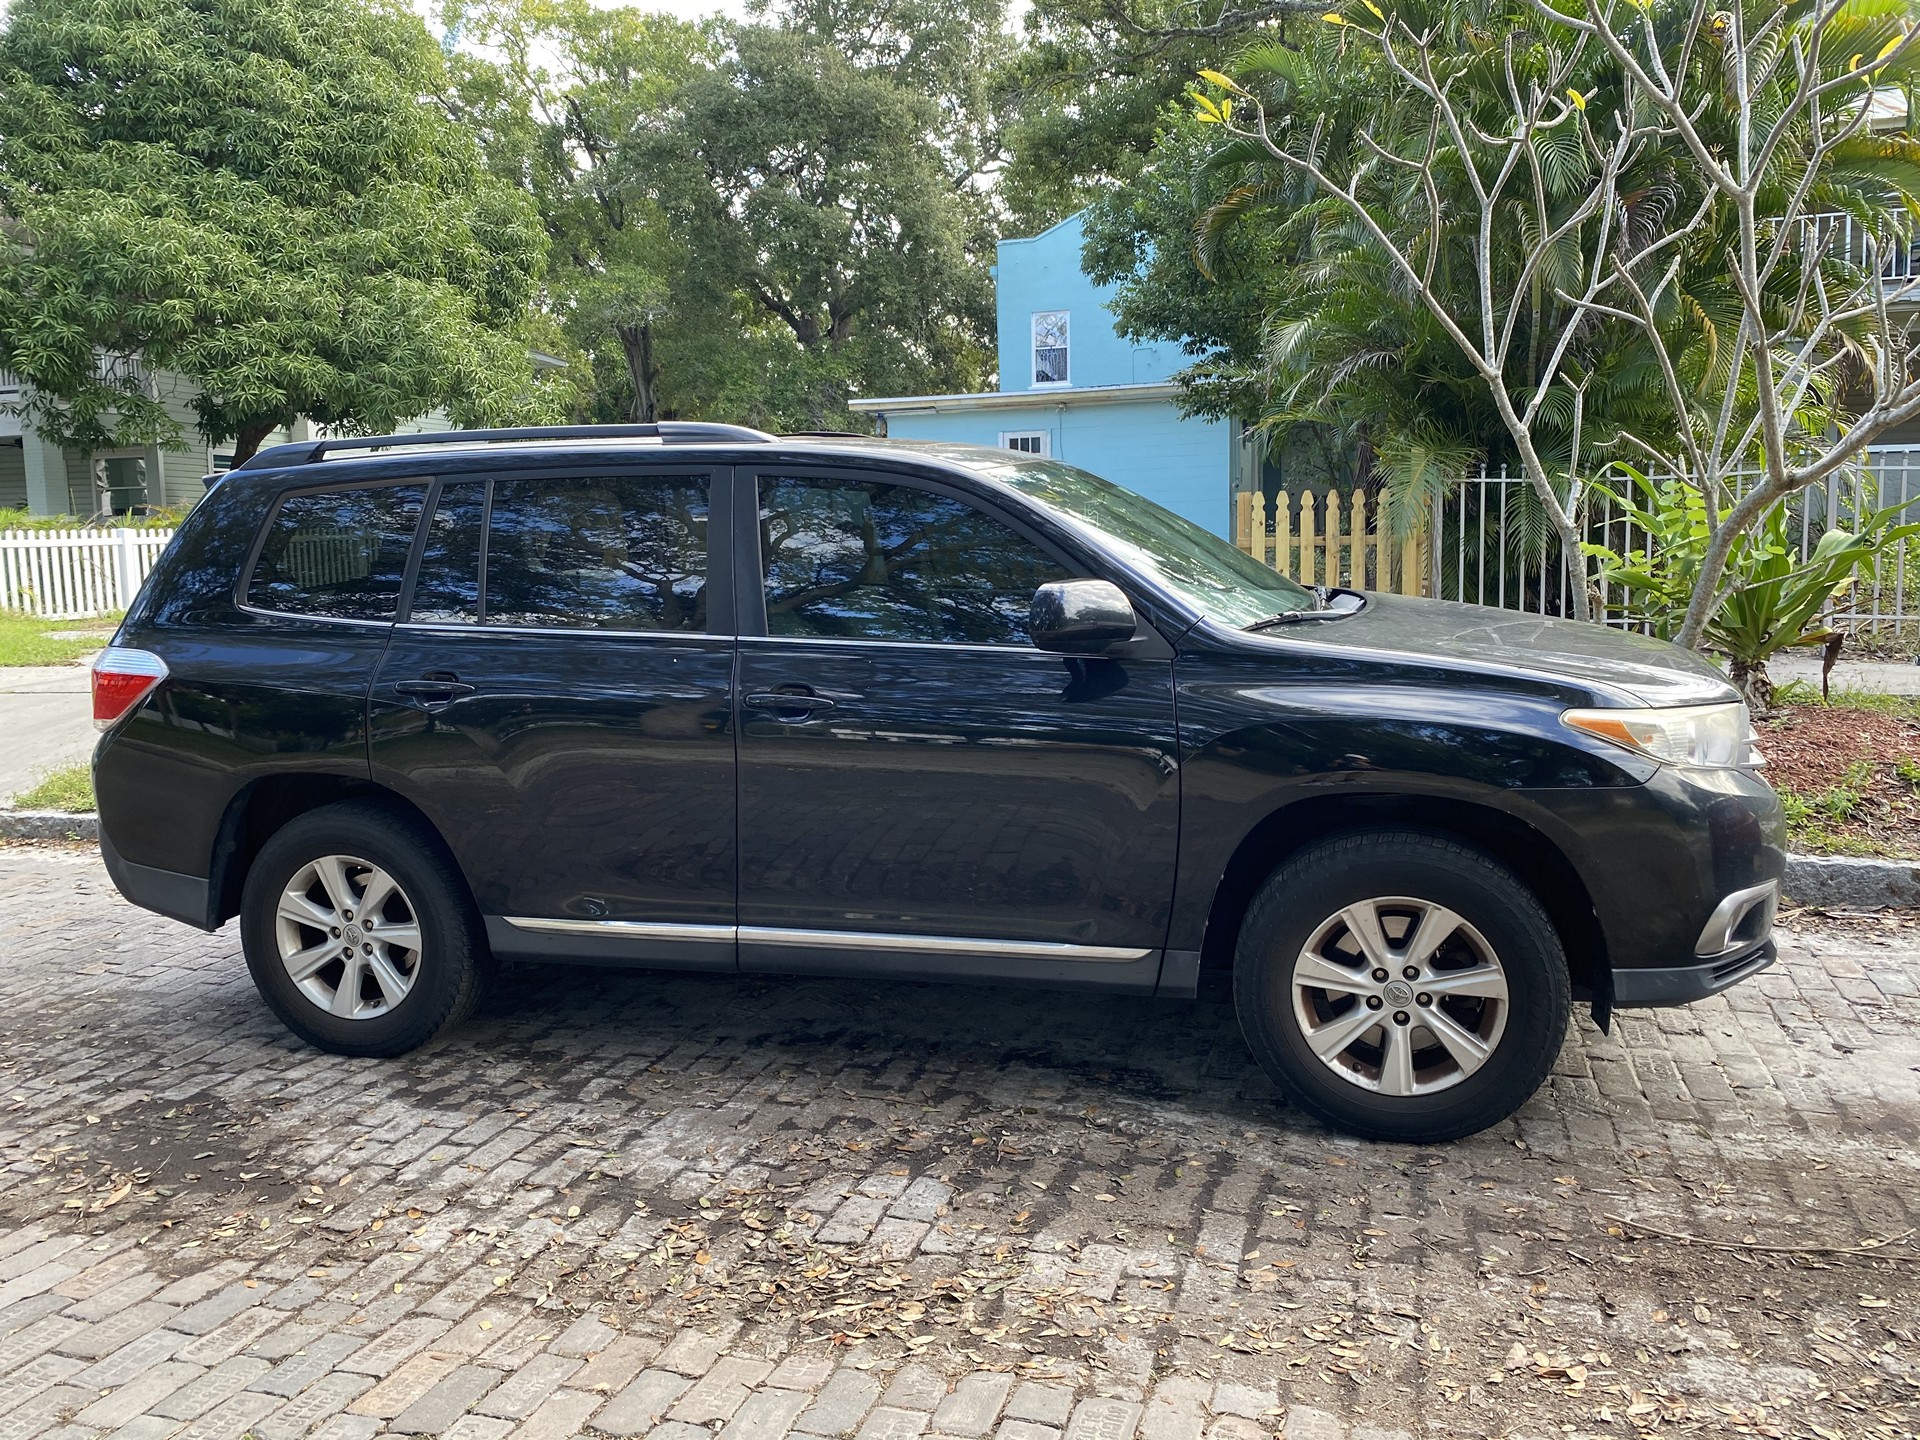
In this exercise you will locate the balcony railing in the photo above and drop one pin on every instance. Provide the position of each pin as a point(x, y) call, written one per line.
point(120, 369)
point(1894, 252)
point(9, 383)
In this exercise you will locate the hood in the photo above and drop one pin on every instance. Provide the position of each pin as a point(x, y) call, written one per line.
point(1634, 668)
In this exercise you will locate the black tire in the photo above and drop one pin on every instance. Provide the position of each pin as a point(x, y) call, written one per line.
point(447, 971)
point(1309, 892)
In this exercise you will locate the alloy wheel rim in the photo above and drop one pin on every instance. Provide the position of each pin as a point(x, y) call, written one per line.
point(348, 936)
point(1400, 996)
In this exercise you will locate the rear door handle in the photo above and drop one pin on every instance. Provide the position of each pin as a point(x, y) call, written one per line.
point(433, 688)
point(788, 702)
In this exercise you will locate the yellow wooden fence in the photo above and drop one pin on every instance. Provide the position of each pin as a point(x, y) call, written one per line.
point(1342, 550)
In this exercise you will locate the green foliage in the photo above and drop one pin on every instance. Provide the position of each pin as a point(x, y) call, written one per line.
point(1815, 818)
point(1774, 599)
point(752, 221)
point(153, 519)
point(1306, 325)
point(68, 790)
point(1088, 92)
point(264, 195)
point(809, 193)
point(1874, 702)
point(552, 87)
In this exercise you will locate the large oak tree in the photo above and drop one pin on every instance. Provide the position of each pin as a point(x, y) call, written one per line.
point(266, 196)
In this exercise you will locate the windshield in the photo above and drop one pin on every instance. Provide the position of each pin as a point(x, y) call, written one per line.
point(1227, 585)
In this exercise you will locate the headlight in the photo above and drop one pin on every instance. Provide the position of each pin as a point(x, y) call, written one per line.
point(1702, 736)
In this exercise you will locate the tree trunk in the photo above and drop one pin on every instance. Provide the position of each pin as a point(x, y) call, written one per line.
point(1706, 582)
point(636, 343)
point(247, 443)
point(1573, 561)
point(1750, 678)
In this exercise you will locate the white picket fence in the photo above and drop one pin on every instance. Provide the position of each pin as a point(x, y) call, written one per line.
point(72, 574)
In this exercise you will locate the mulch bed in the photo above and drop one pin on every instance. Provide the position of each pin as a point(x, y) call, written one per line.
point(1845, 765)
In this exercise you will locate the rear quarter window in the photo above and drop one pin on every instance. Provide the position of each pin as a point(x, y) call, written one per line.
point(337, 553)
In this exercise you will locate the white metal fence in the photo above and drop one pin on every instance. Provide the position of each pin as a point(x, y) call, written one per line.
point(72, 574)
point(1491, 545)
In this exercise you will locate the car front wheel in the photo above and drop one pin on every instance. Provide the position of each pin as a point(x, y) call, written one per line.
point(1401, 986)
point(359, 932)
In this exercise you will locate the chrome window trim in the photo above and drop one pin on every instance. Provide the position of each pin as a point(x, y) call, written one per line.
point(854, 640)
point(835, 939)
point(266, 614)
point(468, 627)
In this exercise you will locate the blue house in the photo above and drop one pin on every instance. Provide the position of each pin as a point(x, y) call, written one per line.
point(1073, 389)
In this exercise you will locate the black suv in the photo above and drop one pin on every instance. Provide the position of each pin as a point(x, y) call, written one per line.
point(698, 697)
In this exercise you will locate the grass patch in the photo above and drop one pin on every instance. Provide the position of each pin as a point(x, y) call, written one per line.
point(1822, 822)
point(69, 790)
point(27, 640)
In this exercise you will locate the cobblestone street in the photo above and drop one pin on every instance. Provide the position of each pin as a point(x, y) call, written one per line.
point(631, 1204)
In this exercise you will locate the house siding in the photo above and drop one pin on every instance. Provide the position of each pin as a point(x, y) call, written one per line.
point(1143, 445)
point(175, 476)
point(1043, 273)
point(1141, 442)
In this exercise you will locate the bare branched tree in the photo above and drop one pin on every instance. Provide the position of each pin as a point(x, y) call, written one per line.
point(1758, 107)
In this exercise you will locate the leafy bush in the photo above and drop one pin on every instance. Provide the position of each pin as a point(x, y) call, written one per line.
point(157, 518)
point(1773, 598)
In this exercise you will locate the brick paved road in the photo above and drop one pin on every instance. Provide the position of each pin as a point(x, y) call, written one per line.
point(669, 1206)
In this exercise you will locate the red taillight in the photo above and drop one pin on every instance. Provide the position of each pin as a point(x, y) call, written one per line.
point(121, 679)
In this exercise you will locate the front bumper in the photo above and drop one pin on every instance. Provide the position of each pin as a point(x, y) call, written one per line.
point(1683, 872)
point(1682, 984)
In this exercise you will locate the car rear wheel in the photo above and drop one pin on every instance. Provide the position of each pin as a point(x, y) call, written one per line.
point(1401, 986)
point(359, 932)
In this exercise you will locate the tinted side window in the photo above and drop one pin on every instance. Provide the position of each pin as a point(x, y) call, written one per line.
point(448, 585)
point(868, 560)
point(618, 552)
point(338, 552)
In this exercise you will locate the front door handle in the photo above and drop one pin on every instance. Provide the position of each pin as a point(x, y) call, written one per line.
point(789, 702)
point(433, 688)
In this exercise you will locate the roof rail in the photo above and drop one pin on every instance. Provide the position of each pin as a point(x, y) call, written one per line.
point(305, 452)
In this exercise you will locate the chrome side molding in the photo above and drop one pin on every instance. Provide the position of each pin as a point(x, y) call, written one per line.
point(938, 944)
point(833, 939)
point(632, 929)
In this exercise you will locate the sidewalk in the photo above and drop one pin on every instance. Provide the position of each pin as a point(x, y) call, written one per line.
point(1882, 677)
point(46, 721)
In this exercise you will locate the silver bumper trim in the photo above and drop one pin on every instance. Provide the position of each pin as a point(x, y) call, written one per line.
point(1722, 933)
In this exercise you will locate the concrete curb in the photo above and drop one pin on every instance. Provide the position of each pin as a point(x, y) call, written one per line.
point(1841, 882)
point(47, 825)
point(1826, 881)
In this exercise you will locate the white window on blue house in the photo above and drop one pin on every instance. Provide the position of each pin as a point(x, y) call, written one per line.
point(1027, 442)
point(1050, 347)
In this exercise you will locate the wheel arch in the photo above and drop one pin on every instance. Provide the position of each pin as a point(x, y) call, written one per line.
point(1533, 856)
point(262, 807)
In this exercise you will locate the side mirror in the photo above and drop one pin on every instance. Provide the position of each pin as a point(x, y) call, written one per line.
point(1080, 617)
